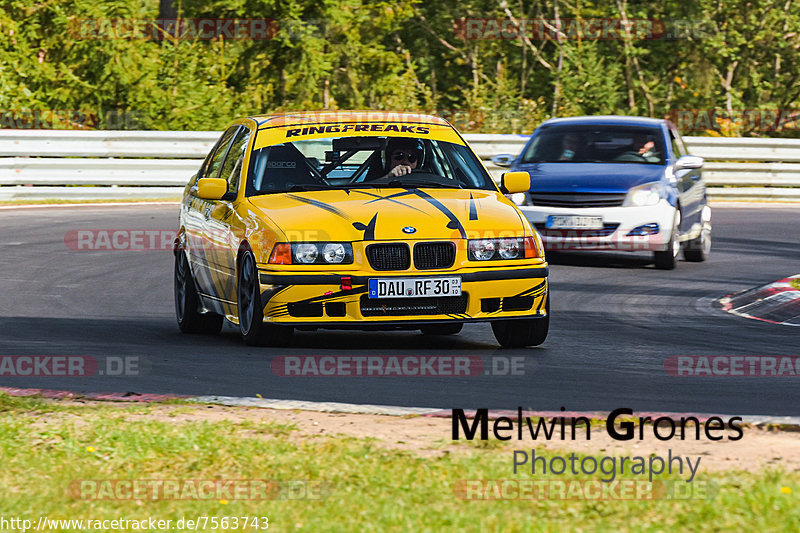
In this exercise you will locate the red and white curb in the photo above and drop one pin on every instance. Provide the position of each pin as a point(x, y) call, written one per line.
point(776, 303)
point(788, 423)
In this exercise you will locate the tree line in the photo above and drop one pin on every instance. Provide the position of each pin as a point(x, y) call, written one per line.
point(720, 67)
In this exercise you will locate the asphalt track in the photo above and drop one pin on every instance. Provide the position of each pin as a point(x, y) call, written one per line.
point(615, 320)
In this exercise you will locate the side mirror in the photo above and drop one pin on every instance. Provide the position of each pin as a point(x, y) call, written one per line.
point(503, 160)
point(514, 182)
point(212, 188)
point(689, 162)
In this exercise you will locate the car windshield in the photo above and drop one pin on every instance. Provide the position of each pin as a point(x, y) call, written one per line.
point(358, 162)
point(596, 144)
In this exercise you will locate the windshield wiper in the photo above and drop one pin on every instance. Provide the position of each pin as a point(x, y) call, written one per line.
point(309, 187)
point(420, 183)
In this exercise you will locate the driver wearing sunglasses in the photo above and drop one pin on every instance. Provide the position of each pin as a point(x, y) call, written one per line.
point(402, 155)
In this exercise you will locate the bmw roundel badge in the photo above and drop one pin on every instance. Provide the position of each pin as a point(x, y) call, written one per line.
point(409, 229)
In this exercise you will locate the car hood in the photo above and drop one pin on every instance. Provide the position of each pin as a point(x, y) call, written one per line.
point(383, 214)
point(590, 177)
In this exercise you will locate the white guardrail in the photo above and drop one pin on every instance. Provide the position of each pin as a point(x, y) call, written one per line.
point(70, 164)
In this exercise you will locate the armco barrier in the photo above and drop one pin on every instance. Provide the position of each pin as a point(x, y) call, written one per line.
point(78, 164)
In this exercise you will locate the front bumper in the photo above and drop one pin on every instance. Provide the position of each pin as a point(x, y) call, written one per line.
point(324, 299)
point(618, 223)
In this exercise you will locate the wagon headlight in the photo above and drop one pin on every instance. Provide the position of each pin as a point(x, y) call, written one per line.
point(333, 252)
point(305, 253)
point(503, 249)
point(312, 253)
point(647, 194)
point(482, 249)
point(509, 248)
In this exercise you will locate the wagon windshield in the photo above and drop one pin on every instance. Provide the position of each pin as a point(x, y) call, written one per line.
point(364, 162)
point(596, 144)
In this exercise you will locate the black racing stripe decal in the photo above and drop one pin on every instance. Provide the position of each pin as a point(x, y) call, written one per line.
point(321, 205)
point(545, 299)
point(473, 210)
point(409, 192)
point(368, 229)
point(541, 306)
point(333, 295)
point(390, 198)
point(270, 293)
point(533, 291)
point(283, 309)
point(454, 222)
point(279, 312)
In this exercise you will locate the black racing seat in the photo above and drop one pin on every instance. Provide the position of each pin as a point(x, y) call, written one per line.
point(285, 168)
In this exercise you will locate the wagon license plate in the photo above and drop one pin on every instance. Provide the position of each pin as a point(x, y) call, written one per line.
point(574, 222)
point(414, 287)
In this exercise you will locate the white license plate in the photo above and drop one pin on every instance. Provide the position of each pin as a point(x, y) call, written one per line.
point(414, 287)
point(574, 222)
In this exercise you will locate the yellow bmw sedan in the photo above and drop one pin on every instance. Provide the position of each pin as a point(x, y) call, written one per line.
point(363, 220)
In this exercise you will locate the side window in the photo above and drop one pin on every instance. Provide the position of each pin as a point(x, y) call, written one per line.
point(215, 162)
point(232, 167)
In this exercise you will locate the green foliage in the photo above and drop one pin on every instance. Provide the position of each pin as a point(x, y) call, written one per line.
point(590, 82)
point(64, 57)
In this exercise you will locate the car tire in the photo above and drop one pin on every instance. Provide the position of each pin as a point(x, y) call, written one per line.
point(697, 249)
point(442, 329)
point(187, 302)
point(668, 259)
point(251, 311)
point(522, 332)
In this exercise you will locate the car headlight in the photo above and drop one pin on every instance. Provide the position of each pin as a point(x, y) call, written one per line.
point(647, 194)
point(312, 253)
point(334, 252)
point(510, 248)
point(482, 249)
point(519, 198)
point(305, 253)
point(503, 249)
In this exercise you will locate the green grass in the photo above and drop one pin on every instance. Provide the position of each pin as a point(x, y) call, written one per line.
point(45, 446)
